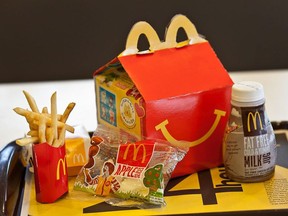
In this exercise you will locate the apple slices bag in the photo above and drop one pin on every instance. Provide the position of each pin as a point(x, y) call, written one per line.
point(127, 172)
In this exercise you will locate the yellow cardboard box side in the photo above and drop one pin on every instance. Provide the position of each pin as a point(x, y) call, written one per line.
point(75, 155)
point(116, 100)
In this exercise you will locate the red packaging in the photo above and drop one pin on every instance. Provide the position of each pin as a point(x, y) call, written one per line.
point(50, 172)
point(180, 93)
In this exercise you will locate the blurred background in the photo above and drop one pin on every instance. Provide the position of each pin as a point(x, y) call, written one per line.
point(70, 39)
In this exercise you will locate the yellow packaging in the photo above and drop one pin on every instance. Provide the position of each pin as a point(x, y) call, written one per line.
point(76, 145)
point(119, 103)
point(75, 155)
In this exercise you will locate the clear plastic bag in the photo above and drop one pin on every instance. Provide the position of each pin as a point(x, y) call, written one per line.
point(125, 171)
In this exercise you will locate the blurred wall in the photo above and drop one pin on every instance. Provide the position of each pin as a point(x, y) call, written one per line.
point(69, 39)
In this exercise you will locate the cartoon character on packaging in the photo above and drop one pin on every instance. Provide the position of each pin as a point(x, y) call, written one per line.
point(103, 112)
point(105, 182)
point(93, 151)
point(112, 116)
point(111, 102)
point(103, 97)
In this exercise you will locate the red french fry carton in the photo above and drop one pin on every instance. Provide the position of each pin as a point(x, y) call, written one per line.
point(50, 172)
point(178, 92)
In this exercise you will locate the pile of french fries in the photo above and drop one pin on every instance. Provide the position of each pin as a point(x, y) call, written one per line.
point(45, 127)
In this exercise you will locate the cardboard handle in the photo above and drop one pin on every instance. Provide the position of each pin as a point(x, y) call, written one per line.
point(177, 22)
point(138, 29)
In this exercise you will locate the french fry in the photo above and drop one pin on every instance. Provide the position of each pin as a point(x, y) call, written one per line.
point(27, 140)
point(61, 138)
point(48, 115)
point(30, 121)
point(54, 115)
point(45, 110)
point(36, 116)
point(33, 133)
point(67, 112)
point(42, 130)
point(45, 126)
point(49, 135)
point(31, 102)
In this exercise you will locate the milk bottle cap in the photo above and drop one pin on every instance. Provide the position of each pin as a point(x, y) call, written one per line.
point(247, 91)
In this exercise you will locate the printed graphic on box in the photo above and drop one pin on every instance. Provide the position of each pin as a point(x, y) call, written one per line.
point(127, 112)
point(119, 103)
point(108, 107)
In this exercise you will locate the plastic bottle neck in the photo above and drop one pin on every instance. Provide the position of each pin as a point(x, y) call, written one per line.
point(248, 104)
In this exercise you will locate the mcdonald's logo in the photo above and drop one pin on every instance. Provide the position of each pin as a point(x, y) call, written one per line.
point(254, 117)
point(61, 162)
point(135, 151)
point(78, 158)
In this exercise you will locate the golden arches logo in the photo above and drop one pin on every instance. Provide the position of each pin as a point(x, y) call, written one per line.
point(171, 139)
point(78, 158)
point(61, 162)
point(253, 116)
point(135, 151)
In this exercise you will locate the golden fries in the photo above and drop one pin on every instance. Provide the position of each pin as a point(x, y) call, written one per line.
point(33, 133)
point(31, 102)
point(67, 112)
point(54, 117)
point(27, 140)
point(42, 130)
point(45, 127)
point(36, 116)
point(45, 110)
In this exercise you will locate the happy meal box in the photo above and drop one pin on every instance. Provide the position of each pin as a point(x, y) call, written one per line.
point(178, 92)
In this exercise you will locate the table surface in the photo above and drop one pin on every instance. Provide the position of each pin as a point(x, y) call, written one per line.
point(82, 92)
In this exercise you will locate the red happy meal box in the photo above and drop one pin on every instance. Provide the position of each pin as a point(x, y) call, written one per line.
point(179, 92)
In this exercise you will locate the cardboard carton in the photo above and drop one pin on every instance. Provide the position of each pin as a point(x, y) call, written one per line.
point(77, 146)
point(50, 172)
point(174, 91)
